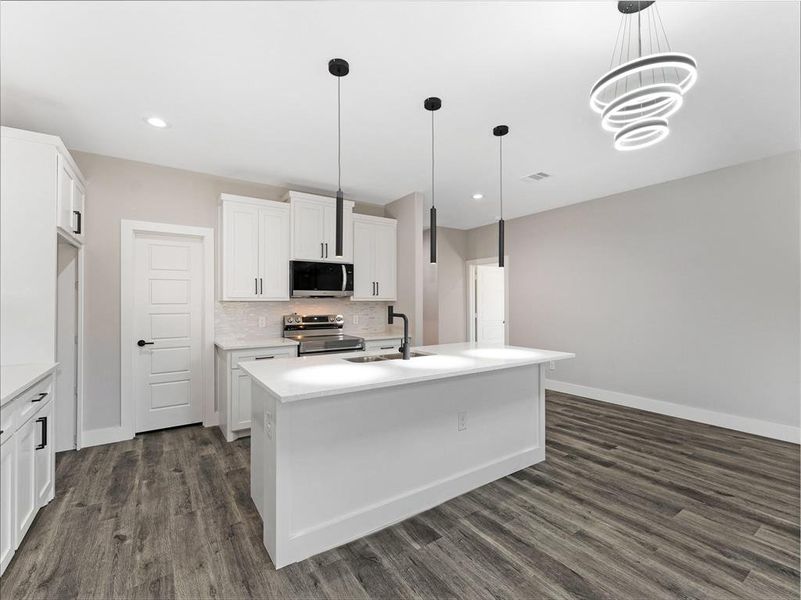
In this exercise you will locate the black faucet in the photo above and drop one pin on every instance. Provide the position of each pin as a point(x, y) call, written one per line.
point(404, 349)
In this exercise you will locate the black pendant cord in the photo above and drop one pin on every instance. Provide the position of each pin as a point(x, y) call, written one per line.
point(339, 68)
point(432, 104)
point(499, 132)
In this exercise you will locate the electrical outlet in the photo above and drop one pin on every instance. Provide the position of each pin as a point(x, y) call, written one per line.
point(262, 321)
point(355, 319)
point(461, 419)
point(551, 366)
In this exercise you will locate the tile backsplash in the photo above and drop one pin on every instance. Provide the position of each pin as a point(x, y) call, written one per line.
point(241, 319)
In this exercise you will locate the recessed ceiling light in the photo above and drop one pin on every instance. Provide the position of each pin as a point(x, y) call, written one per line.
point(478, 196)
point(157, 122)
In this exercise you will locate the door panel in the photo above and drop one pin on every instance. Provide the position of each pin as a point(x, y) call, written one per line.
point(168, 289)
point(274, 253)
point(241, 405)
point(363, 260)
point(8, 461)
point(25, 501)
point(490, 325)
point(241, 239)
point(308, 231)
point(385, 266)
point(45, 467)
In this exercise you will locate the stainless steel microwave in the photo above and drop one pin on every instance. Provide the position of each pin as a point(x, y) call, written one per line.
point(320, 280)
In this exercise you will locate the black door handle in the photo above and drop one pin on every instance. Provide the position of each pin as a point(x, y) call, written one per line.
point(77, 213)
point(40, 397)
point(141, 343)
point(43, 421)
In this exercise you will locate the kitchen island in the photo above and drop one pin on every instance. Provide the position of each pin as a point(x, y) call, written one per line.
point(340, 449)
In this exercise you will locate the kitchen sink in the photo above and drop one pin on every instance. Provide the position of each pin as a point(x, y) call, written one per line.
point(382, 357)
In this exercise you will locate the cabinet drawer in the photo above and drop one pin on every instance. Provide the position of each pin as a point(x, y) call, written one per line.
point(32, 400)
point(262, 354)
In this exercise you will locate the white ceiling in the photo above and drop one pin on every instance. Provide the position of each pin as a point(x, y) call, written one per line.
point(246, 89)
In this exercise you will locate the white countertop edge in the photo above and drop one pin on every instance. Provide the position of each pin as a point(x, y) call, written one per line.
point(17, 378)
point(234, 344)
point(430, 376)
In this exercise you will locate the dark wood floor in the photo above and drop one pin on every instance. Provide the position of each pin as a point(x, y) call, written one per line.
point(627, 505)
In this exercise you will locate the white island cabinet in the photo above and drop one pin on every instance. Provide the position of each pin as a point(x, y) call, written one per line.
point(27, 451)
point(341, 449)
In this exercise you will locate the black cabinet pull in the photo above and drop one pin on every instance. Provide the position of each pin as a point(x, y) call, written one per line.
point(256, 285)
point(326, 249)
point(322, 250)
point(377, 288)
point(261, 286)
point(141, 343)
point(40, 397)
point(43, 421)
point(263, 357)
point(77, 213)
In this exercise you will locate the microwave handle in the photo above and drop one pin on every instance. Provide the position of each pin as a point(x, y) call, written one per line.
point(344, 278)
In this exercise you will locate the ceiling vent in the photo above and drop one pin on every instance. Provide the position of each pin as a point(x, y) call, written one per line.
point(536, 176)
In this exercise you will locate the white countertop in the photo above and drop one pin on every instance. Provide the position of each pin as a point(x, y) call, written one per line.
point(16, 378)
point(319, 376)
point(232, 343)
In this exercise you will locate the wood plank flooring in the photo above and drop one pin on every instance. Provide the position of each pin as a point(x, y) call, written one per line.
point(628, 504)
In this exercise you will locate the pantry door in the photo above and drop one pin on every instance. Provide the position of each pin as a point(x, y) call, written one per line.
point(166, 334)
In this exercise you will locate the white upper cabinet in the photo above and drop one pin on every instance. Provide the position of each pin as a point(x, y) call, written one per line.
point(314, 228)
point(374, 258)
point(254, 262)
point(70, 200)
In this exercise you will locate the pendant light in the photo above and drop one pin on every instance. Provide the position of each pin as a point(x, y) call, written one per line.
point(433, 104)
point(646, 81)
point(339, 67)
point(499, 132)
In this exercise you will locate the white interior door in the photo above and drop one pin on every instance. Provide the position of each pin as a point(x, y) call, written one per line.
point(490, 302)
point(168, 318)
point(66, 347)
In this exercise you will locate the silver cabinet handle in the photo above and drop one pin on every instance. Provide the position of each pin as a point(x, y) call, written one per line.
point(344, 278)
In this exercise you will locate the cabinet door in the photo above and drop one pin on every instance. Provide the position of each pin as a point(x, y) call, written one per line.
point(364, 287)
point(308, 230)
point(240, 251)
point(45, 464)
point(78, 201)
point(7, 500)
point(25, 472)
point(385, 250)
point(240, 400)
point(274, 253)
point(66, 184)
point(330, 230)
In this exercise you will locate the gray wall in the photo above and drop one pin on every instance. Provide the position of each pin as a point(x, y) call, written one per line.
point(686, 292)
point(122, 189)
point(445, 288)
point(409, 213)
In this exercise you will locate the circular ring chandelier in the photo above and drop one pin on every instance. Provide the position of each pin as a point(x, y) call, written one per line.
point(646, 81)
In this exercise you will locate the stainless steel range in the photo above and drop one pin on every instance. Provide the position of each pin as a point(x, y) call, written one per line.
point(318, 334)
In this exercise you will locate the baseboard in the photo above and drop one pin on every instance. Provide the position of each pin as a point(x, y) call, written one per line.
point(108, 435)
point(776, 431)
point(367, 520)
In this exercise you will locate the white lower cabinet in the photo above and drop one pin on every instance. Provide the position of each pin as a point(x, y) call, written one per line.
point(27, 463)
point(233, 386)
point(8, 461)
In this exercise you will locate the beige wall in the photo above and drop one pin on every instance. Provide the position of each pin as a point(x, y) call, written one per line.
point(409, 213)
point(685, 292)
point(121, 189)
point(445, 288)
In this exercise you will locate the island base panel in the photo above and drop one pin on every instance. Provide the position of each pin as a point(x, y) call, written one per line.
point(330, 470)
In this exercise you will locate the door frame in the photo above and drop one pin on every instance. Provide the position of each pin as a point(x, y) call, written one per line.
point(128, 232)
point(81, 274)
point(470, 266)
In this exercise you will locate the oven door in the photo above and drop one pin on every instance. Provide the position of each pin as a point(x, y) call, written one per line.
point(320, 280)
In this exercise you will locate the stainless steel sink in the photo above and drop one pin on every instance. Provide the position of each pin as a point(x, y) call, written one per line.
point(382, 357)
